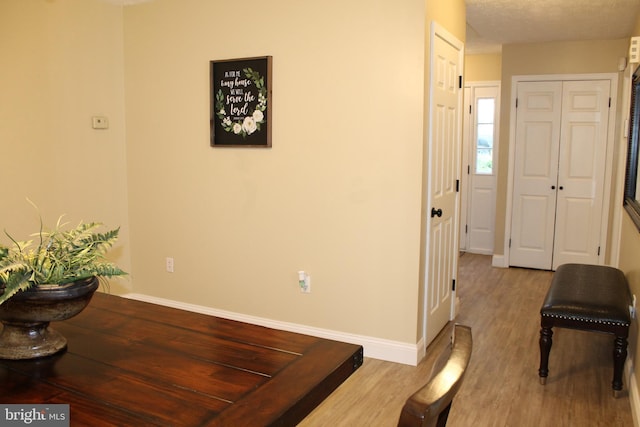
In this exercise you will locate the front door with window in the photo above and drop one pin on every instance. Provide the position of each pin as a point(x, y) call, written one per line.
point(481, 147)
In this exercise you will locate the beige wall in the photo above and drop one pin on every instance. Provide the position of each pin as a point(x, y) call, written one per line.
point(62, 64)
point(339, 195)
point(546, 58)
point(450, 14)
point(483, 67)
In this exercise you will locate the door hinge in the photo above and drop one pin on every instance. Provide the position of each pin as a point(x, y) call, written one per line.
point(598, 250)
point(466, 229)
point(457, 185)
point(468, 169)
point(469, 109)
point(609, 102)
point(516, 102)
point(459, 82)
point(509, 242)
point(453, 285)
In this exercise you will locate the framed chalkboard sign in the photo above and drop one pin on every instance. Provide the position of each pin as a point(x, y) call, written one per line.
point(241, 102)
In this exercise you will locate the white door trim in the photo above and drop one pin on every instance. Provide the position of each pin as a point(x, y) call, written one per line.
point(467, 99)
point(613, 77)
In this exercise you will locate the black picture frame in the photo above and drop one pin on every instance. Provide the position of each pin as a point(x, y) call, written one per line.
point(631, 204)
point(241, 113)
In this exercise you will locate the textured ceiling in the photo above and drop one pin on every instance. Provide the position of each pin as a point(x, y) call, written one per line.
point(491, 23)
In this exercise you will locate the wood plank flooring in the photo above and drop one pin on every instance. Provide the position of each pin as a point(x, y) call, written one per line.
point(131, 363)
point(501, 387)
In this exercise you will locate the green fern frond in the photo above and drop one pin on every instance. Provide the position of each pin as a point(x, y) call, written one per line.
point(61, 256)
point(14, 278)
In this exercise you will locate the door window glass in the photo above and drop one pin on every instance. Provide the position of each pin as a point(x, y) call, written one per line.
point(485, 113)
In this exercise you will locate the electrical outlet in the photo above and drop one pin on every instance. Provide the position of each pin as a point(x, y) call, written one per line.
point(304, 281)
point(169, 264)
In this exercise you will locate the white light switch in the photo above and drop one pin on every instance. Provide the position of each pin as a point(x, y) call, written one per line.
point(100, 122)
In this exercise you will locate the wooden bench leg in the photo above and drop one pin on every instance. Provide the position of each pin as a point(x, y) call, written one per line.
point(546, 335)
point(619, 357)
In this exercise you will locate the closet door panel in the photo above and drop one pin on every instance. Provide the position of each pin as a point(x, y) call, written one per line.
point(583, 146)
point(535, 174)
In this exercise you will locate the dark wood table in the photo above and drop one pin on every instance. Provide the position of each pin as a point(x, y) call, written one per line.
point(130, 363)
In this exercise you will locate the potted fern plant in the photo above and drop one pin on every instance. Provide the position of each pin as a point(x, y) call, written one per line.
point(49, 278)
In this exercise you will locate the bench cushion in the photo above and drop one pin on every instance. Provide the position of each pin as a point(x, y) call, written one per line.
point(588, 293)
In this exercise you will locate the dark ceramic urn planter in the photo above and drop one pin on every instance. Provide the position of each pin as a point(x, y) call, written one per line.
point(25, 317)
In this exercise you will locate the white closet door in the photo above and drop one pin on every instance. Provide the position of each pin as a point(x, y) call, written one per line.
point(583, 147)
point(535, 173)
point(445, 127)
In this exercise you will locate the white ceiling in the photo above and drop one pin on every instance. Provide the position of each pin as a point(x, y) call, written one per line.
point(491, 23)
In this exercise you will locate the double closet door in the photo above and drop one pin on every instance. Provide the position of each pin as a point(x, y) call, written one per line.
point(559, 169)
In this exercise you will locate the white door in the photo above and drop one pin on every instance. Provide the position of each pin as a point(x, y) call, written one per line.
point(535, 173)
point(445, 124)
point(561, 138)
point(583, 149)
point(479, 163)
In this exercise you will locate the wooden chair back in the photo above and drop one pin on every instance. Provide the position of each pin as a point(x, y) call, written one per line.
point(430, 405)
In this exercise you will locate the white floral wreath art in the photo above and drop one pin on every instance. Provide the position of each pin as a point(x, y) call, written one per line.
point(248, 124)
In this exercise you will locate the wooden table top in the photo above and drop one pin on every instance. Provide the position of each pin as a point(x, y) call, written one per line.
point(131, 363)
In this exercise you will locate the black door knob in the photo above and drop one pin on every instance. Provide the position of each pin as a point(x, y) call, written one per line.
point(436, 212)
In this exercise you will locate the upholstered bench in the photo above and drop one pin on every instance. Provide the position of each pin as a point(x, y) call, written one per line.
point(590, 298)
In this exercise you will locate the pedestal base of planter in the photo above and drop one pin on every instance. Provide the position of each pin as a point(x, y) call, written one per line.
point(26, 317)
point(29, 340)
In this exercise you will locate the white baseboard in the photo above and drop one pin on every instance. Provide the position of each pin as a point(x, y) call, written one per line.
point(376, 348)
point(499, 261)
point(634, 397)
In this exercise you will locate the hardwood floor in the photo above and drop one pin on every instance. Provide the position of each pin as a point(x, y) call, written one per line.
point(501, 387)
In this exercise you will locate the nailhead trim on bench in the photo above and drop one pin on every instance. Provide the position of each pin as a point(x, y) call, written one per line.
point(582, 319)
